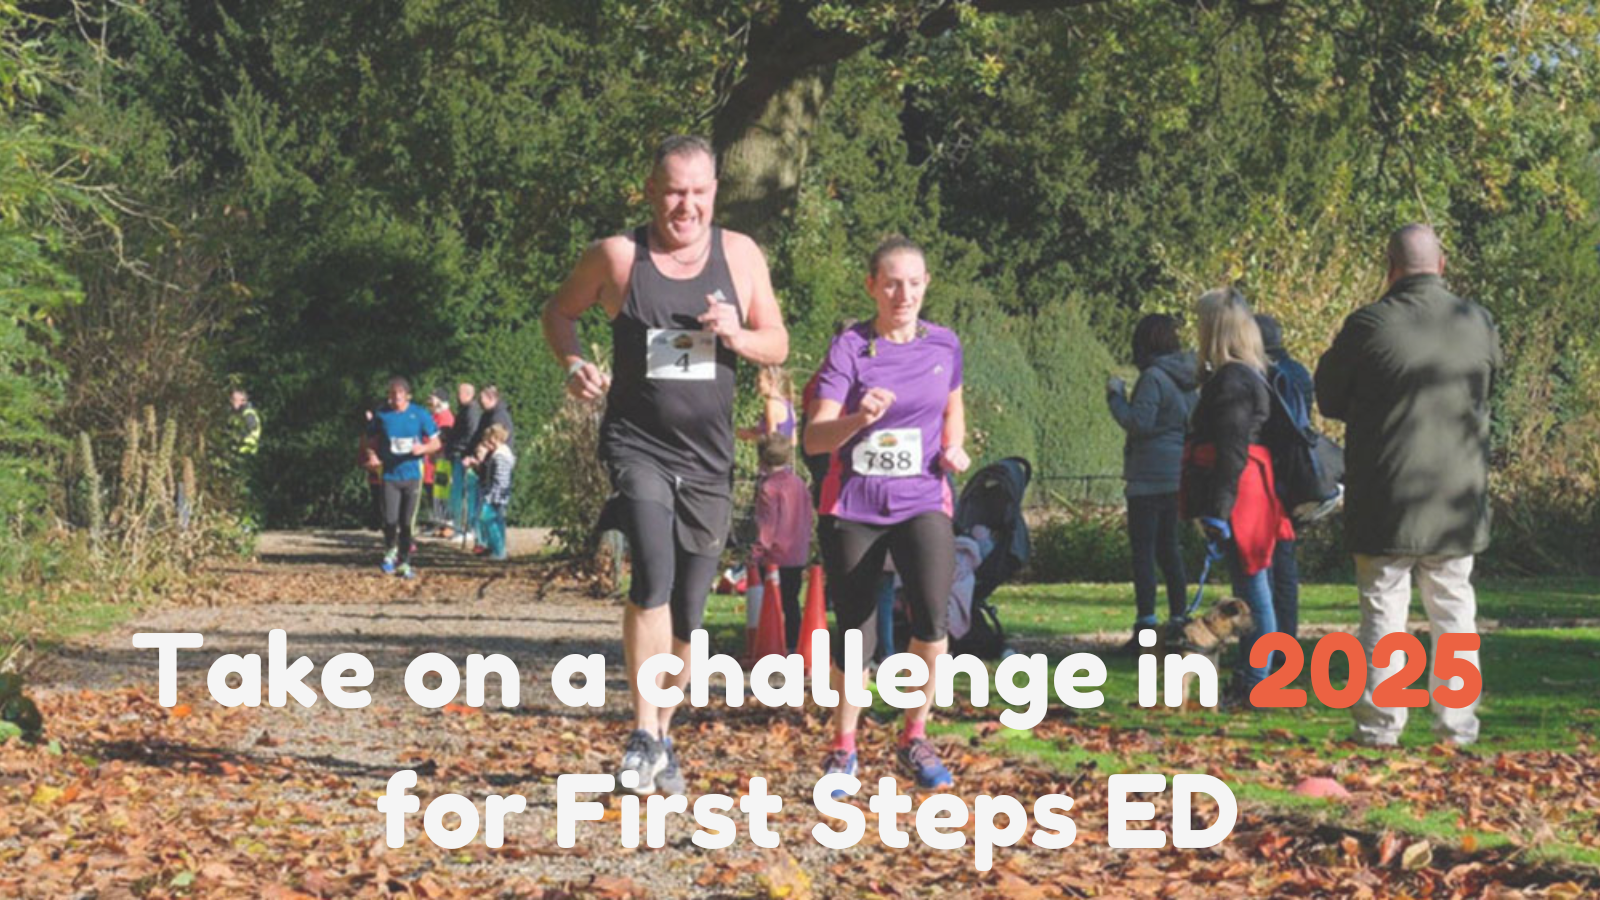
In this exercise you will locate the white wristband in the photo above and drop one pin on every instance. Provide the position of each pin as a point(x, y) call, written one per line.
point(577, 364)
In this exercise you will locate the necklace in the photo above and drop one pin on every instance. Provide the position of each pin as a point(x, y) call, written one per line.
point(699, 255)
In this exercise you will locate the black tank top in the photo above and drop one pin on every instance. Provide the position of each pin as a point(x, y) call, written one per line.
point(681, 423)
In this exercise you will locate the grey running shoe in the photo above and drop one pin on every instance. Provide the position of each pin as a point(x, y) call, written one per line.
point(670, 779)
point(642, 759)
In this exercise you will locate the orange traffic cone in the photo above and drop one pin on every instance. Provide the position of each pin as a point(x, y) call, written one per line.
point(769, 636)
point(753, 590)
point(815, 618)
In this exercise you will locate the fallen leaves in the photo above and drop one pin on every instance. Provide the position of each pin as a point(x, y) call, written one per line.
point(1416, 856)
point(197, 801)
point(784, 879)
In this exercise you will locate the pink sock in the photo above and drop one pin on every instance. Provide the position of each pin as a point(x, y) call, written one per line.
point(845, 742)
point(913, 731)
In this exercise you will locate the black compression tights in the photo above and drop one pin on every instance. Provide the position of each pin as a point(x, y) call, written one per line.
point(399, 510)
point(924, 553)
point(662, 572)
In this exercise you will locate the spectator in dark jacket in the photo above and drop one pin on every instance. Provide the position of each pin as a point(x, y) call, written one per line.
point(1156, 421)
point(1410, 376)
point(1229, 485)
point(1293, 384)
point(494, 413)
point(458, 447)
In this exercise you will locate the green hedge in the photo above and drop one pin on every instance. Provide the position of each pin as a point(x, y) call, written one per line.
point(1089, 542)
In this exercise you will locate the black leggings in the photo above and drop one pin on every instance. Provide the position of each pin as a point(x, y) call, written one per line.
point(375, 505)
point(924, 551)
point(662, 571)
point(1153, 535)
point(399, 508)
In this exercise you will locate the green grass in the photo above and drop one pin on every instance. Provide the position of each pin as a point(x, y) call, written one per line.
point(1539, 694)
point(1051, 609)
point(49, 622)
point(1538, 683)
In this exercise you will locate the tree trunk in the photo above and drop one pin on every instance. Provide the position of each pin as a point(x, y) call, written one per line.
point(762, 162)
point(764, 129)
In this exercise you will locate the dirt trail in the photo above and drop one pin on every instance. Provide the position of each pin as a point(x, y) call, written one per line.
point(200, 800)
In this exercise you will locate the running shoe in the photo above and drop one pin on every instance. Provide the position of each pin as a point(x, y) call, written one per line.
point(842, 762)
point(922, 760)
point(389, 560)
point(644, 757)
point(670, 779)
point(407, 572)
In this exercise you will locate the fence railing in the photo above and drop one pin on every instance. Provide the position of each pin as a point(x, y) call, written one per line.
point(1053, 490)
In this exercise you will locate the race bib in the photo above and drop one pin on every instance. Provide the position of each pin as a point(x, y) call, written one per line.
point(401, 446)
point(675, 355)
point(891, 453)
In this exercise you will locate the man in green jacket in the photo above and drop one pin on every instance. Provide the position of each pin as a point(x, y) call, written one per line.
point(1410, 376)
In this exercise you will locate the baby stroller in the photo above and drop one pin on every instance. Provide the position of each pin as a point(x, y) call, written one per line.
point(991, 546)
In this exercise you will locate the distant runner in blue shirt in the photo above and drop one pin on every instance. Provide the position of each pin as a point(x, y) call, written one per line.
point(402, 434)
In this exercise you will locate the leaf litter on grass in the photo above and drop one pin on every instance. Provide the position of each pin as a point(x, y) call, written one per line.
point(137, 801)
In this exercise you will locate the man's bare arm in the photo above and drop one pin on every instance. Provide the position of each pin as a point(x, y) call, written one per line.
point(764, 339)
point(593, 281)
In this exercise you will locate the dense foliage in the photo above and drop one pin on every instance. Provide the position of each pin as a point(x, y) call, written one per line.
point(328, 193)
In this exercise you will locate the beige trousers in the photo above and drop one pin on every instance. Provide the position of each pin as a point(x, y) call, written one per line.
point(1384, 583)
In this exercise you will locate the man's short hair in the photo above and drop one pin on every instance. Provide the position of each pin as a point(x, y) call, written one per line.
point(399, 381)
point(241, 392)
point(683, 145)
point(490, 393)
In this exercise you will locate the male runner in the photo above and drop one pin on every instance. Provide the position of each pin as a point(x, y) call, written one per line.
point(685, 299)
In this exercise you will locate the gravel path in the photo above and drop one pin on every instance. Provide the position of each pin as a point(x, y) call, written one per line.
point(325, 591)
point(289, 777)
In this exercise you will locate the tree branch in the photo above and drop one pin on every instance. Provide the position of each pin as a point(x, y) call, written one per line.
point(791, 45)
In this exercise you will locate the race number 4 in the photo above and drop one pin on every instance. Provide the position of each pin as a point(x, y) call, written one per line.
point(673, 354)
point(890, 453)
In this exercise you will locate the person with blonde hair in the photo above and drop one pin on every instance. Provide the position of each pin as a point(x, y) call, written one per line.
point(498, 463)
point(776, 387)
point(1227, 472)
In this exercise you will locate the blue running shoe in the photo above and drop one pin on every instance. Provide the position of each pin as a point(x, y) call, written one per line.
point(923, 761)
point(839, 761)
point(389, 560)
